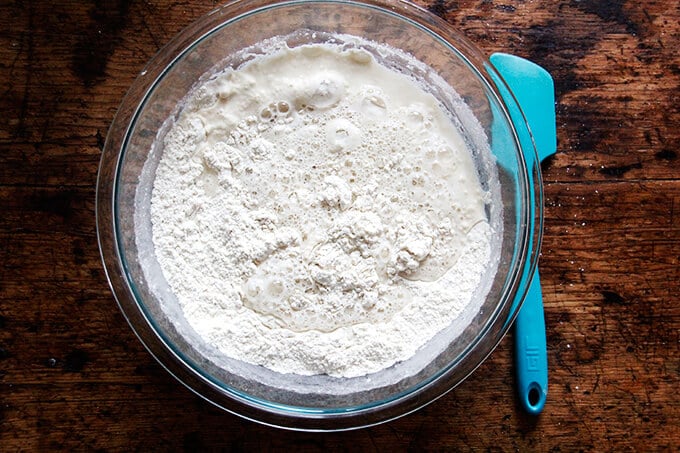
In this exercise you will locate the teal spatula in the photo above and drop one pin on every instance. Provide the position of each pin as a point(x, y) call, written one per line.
point(533, 89)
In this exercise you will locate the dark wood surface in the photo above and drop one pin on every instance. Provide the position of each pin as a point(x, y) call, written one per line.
point(74, 376)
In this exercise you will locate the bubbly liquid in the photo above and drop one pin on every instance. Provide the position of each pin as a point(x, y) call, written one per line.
point(315, 193)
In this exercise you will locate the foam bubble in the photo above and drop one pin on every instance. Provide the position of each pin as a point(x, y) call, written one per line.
point(342, 135)
point(321, 91)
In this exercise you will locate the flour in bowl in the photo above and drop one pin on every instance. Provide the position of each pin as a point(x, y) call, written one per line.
point(316, 212)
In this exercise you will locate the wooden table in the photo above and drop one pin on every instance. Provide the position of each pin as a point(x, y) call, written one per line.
point(74, 376)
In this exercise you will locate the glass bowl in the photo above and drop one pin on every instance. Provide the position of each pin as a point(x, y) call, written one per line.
point(318, 402)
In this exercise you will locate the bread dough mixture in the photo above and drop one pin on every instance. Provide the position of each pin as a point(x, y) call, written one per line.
point(316, 212)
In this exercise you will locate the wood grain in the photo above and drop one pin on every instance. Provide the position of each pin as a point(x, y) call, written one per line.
point(74, 376)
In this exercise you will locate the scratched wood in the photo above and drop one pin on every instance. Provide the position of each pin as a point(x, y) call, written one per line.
point(74, 376)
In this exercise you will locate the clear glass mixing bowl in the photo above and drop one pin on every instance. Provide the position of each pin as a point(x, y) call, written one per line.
point(316, 402)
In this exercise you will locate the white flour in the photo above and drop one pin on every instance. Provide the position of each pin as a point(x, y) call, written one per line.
point(317, 213)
